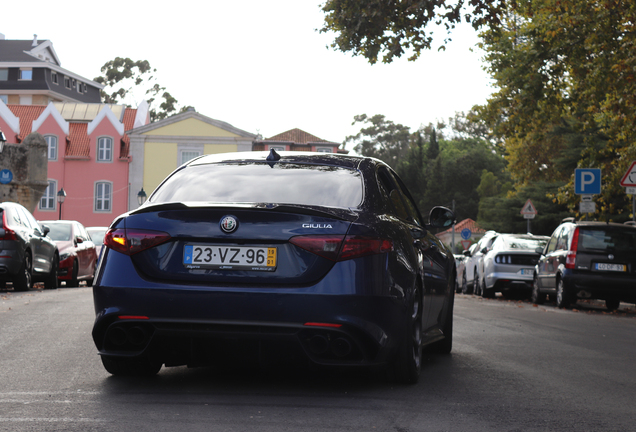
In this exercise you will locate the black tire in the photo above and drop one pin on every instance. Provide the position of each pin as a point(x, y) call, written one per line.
point(130, 367)
point(24, 279)
point(73, 282)
point(445, 346)
point(51, 281)
point(476, 283)
point(563, 298)
point(408, 364)
point(486, 292)
point(612, 304)
point(465, 288)
point(537, 297)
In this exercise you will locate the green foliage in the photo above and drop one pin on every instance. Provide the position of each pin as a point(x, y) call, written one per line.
point(373, 27)
point(503, 212)
point(124, 77)
point(382, 139)
point(566, 78)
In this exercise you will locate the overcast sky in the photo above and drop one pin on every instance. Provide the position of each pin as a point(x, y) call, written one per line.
point(258, 65)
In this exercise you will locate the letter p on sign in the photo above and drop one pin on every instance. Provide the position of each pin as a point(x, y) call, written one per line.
point(587, 181)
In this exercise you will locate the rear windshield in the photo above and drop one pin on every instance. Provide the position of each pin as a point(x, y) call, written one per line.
point(526, 243)
point(607, 240)
point(256, 182)
point(60, 232)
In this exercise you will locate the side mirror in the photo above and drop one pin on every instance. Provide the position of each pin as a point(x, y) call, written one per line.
point(539, 250)
point(79, 240)
point(45, 229)
point(440, 217)
point(484, 250)
point(466, 253)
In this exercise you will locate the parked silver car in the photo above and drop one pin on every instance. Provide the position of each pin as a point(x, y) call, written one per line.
point(474, 264)
point(508, 267)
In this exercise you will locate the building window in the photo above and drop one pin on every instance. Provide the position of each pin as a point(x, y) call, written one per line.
point(51, 141)
point(54, 78)
point(47, 202)
point(277, 148)
point(67, 82)
point(26, 74)
point(324, 149)
point(4, 74)
point(105, 149)
point(79, 87)
point(187, 155)
point(4, 98)
point(103, 196)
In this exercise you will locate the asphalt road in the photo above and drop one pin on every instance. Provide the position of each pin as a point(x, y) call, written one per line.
point(514, 367)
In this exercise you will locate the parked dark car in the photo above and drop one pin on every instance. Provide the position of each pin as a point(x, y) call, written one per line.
point(586, 260)
point(508, 267)
point(28, 254)
point(78, 256)
point(291, 256)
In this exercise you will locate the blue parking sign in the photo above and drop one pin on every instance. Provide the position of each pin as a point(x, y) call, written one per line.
point(587, 181)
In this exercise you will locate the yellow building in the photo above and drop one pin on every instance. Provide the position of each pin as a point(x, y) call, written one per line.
point(159, 148)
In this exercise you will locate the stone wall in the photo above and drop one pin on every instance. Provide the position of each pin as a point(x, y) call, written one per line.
point(28, 162)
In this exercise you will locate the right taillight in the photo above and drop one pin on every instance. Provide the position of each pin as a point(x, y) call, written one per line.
point(9, 234)
point(570, 258)
point(341, 248)
point(132, 241)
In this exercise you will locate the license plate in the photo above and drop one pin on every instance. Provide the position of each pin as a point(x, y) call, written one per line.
point(229, 257)
point(527, 271)
point(610, 267)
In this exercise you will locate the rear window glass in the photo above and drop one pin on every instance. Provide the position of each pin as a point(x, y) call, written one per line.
point(521, 243)
point(60, 232)
point(255, 182)
point(607, 240)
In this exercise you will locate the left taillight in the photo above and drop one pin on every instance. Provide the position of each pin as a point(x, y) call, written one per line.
point(341, 248)
point(132, 241)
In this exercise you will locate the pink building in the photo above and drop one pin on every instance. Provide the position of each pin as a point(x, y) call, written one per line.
point(88, 154)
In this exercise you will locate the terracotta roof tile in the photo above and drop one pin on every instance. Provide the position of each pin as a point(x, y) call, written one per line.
point(77, 142)
point(466, 223)
point(129, 123)
point(27, 114)
point(298, 136)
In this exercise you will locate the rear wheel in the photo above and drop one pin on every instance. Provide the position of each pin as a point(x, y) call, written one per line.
point(612, 304)
point(408, 363)
point(486, 292)
point(24, 278)
point(130, 367)
point(465, 289)
point(537, 297)
point(51, 281)
point(563, 297)
point(73, 282)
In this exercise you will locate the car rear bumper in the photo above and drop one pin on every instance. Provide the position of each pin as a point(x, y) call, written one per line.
point(504, 281)
point(10, 264)
point(601, 285)
point(330, 330)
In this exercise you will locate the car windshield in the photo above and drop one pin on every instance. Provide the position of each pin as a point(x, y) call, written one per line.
point(60, 232)
point(257, 182)
point(610, 240)
point(527, 243)
point(96, 235)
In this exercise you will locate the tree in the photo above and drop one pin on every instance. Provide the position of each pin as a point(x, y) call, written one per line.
point(433, 146)
point(382, 139)
point(127, 80)
point(567, 93)
point(369, 28)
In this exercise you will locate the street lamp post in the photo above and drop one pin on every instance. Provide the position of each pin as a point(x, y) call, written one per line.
point(141, 197)
point(61, 196)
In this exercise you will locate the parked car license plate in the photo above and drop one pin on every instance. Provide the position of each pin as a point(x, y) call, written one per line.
point(229, 257)
point(610, 267)
point(527, 271)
